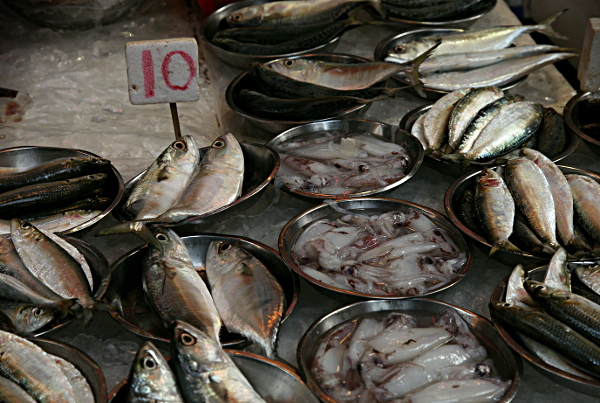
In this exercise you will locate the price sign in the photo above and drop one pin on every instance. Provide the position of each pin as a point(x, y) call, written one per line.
point(162, 71)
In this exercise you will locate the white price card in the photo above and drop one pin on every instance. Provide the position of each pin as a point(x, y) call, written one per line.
point(162, 71)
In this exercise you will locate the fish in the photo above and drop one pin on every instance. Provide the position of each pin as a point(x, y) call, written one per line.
point(435, 123)
point(81, 387)
point(435, 12)
point(89, 204)
point(248, 297)
point(586, 192)
point(269, 34)
point(526, 239)
point(162, 184)
point(204, 370)
point(516, 294)
point(26, 318)
point(552, 135)
point(11, 392)
point(15, 291)
point(57, 222)
point(557, 274)
point(589, 276)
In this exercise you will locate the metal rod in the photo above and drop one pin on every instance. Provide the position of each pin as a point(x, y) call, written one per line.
point(175, 118)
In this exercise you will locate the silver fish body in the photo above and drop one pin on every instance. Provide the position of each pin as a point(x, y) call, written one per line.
point(13, 393)
point(81, 387)
point(26, 318)
point(586, 193)
point(435, 123)
point(557, 274)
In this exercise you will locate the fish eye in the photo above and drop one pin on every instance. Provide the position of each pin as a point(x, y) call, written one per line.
point(288, 63)
point(399, 49)
point(218, 144)
point(187, 339)
point(179, 145)
point(236, 17)
point(162, 237)
point(539, 287)
point(26, 225)
point(149, 363)
point(38, 311)
point(224, 247)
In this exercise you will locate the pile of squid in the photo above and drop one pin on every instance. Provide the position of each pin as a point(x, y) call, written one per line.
point(43, 280)
point(406, 359)
point(530, 205)
point(434, 10)
point(55, 195)
point(29, 374)
point(481, 125)
point(558, 318)
point(393, 253)
point(339, 162)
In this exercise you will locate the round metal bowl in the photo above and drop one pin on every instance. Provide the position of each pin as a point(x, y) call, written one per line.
point(458, 169)
point(244, 80)
point(274, 381)
point(28, 157)
point(84, 363)
point(126, 292)
point(216, 21)
point(389, 43)
point(578, 112)
point(452, 202)
point(260, 165)
point(365, 206)
point(379, 130)
point(508, 365)
point(583, 384)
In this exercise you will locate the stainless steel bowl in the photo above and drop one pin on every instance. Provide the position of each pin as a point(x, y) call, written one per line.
point(452, 202)
point(28, 157)
point(84, 363)
point(216, 21)
point(366, 206)
point(277, 126)
point(458, 169)
point(575, 115)
point(506, 362)
point(587, 385)
point(260, 166)
point(126, 293)
point(389, 43)
point(379, 130)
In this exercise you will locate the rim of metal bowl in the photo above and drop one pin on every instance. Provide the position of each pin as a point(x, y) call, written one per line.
point(430, 213)
point(426, 305)
point(355, 122)
point(117, 177)
point(568, 115)
point(445, 23)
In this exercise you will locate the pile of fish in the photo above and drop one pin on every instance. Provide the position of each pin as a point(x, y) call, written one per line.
point(338, 163)
point(556, 319)
point(200, 371)
point(480, 125)
point(530, 205)
point(181, 184)
point(30, 374)
point(43, 280)
point(396, 358)
point(480, 58)
point(391, 254)
point(434, 10)
point(283, 27)
point(55, 195)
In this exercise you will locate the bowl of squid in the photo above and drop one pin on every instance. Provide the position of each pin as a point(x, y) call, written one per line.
point(581, 117)
point(133, 311)
point(76, 188)
point(375, 248)
point(345, 158)
point(370, 335)
point(532, 247)
point(538, 351)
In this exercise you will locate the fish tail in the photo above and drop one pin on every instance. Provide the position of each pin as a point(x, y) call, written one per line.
point(65, 307)
point(546, 28)
point(138, 228)
point(453, 157)
point(376, 4)
point(504, 245)
point(82, 313)
point(412, 71)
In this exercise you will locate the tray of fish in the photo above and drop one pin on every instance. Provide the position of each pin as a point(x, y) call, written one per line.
point(472, 129)
point(38, 370)
point(415, 350)
point(522, 212)
point(201, 185)
point(375, 248)
point(533, 309)
point(471, 58)
point(582, 118)
point(62, 190)
point(345, 158)
point(148, 295)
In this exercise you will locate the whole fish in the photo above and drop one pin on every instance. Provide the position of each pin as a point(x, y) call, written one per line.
point(151, 379)
point(204, 370)
point(217, 182)
point(552, 135)
point(557, 274)
point(516, 294)
point(435, 123)
point(11, 392)
point(586, 193)
point(551, 357)
point(26, 318)
point(162, 184)
point(248, 297)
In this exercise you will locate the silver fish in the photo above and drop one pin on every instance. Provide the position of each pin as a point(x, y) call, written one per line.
point(586, 193)
point(57, 222)
point(13, 393)
point(81, 388)
point(516, 294)
point(435, 122)
point(557, 274)
point(26, 318)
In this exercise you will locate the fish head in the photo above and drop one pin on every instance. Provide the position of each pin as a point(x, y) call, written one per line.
point(406, 52)
point(149, 371)
point(196, 351)
point(21, 229)
point(167, 241)
point(292, 67)
point(31, 318)
point(226, 152)
point(539, 289)
point(489, 178)
point(221, 252)
point(184, 150)
point(247, 17)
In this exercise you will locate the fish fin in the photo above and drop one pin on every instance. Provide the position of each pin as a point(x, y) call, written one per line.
point(84, 314)
point(453, 157)
point(546, 29)
point(504, 245)
point(548, 248)
point(138, 228)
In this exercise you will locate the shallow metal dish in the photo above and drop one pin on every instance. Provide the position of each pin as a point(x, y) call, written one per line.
point(452, 200)
point(457, 169)
point(216, 21)
point(389, 43)
point(126, 293)
point(366, 205)
point(506, 362)
point(277, 126)
point(30, 156)
point(260, 165)
point(573, 114)
point(83, 362)
point(274, 381)
point(381, 131)
point(587, 385)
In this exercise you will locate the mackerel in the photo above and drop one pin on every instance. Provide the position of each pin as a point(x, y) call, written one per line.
point(586, 193)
